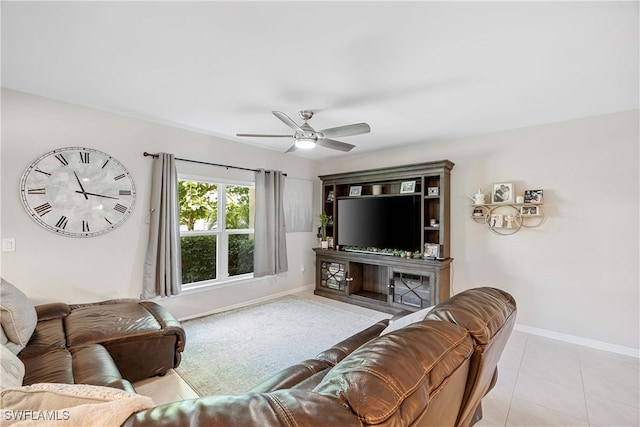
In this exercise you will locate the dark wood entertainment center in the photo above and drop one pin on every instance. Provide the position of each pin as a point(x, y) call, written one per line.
point(382, 281)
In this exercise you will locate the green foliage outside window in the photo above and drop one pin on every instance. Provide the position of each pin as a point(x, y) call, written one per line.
point(198, 258)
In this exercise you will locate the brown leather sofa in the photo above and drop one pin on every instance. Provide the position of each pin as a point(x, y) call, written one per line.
point(110, 343)
point(430, 373)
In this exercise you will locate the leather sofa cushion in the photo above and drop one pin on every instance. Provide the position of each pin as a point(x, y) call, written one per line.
point(106, 322)
point(482, 311)
point(52, 367)
point(92, 364)
point(399, 369)
point(48, 336)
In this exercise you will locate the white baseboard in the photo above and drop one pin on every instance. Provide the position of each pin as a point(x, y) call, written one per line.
point(600, 345)
point(250, 302)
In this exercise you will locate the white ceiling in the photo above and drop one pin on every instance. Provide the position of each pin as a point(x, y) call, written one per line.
point(415, 71)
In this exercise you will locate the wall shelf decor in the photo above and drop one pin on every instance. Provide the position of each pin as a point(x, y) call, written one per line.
point(505, 219)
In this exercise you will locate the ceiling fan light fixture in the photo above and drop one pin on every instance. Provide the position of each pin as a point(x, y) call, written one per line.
point(305, 143)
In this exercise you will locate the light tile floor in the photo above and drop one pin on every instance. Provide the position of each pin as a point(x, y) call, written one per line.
point(541, 382)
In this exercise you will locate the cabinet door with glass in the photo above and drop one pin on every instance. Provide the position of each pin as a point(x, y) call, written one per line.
point(333, 276)
point(412, 290)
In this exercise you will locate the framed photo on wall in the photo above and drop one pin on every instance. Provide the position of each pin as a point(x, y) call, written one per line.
point(530, 211)
point(502, 193)
point(533, 196)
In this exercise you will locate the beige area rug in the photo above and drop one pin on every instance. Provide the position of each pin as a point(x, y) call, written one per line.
point(231, 352)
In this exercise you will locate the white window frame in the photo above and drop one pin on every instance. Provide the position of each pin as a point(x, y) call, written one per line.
point(222, 240)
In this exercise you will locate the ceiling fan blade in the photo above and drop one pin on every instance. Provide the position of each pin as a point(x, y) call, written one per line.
point(347, 130)
point(292, 148)
point(287, 120)
point(336, 145)
point(258, 135)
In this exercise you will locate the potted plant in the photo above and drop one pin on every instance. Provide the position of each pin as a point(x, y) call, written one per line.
point(324, 221)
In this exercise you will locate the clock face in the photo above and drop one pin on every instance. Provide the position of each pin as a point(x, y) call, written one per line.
point(78, 192)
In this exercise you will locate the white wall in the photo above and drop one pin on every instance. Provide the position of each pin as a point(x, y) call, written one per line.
point(577, 274)
point(48, 267)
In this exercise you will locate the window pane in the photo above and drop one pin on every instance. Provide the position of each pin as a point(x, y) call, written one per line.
point(198, 258)
point(240, 254)
point(240, 202)
point(198, 205)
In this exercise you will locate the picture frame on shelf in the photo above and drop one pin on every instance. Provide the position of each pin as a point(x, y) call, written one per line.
point(431, 250)
point(433, 191)
point(502, 193)
point(355, 190)
point(529, 210)
point(533, 196)
point(496, 220)
point(407, 187)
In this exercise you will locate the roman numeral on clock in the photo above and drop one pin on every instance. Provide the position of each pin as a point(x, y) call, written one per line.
point(62, 222)
point(124, 192)
point(119, 177)
point(85, 226)
point(43, 172)
point(36, 191)
point(84, 157)
point(120, 208)
point(43, 209)
point(62, 159)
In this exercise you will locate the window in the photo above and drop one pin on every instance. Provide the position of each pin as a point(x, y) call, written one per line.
point(216, 230)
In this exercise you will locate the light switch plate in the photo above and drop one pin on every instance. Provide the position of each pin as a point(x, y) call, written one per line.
point(9, 244)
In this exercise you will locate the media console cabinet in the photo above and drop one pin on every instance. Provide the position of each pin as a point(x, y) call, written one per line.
point(388, 282)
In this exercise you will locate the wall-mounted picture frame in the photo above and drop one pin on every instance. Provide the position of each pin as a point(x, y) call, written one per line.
point(502, 193)
point(496, 220)
point(355, 190)
point(530, 211)
point(407, 187)
point(533, 196)
point(433, 191)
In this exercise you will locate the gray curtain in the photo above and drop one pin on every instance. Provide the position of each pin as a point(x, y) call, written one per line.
point(270, 247)
point(162, 265)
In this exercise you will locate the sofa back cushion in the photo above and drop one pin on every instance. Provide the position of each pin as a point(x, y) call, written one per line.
point(489, 315)
point(392, 378)
point(17, 316)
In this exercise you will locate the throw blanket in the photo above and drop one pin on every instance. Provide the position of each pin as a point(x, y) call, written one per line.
point(59, 405)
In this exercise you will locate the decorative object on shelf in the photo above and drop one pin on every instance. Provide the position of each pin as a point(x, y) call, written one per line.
point(533, 196)
point(519, 200)
point(407, 187)
point(355, 190)
point(496, 220)
point(479, 198)
point(478, 212)
point(431, 250)
point(433, 222)
point(376, 189)
point(508, 219)
point(530, 210)
point(77, 192)
point(433, 191)
point(502, 193)
point(330, 196)
point(324, 221)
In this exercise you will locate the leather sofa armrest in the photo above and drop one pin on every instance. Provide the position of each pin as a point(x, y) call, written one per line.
point(170, 325)
point(121, 384)
point(107, 302)
point(344, 348)
point(291, 376)
point(54, 310)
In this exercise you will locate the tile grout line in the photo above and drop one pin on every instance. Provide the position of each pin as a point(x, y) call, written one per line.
point(513, 392)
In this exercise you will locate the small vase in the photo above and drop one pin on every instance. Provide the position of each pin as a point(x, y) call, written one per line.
point(324, 244)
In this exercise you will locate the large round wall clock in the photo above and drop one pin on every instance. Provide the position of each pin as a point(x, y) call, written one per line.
point(78, 192)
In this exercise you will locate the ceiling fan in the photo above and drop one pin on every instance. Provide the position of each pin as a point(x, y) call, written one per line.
point(306, 137)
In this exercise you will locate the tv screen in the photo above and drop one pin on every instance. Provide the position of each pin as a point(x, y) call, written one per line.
point(390, 222)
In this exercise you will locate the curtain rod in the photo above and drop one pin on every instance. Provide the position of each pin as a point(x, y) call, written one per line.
point(208, 163)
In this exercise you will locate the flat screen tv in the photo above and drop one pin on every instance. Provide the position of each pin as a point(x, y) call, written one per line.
point(390, 222)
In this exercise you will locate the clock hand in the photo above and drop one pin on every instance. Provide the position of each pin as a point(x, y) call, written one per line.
point(94, 194)
point(81, 187)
